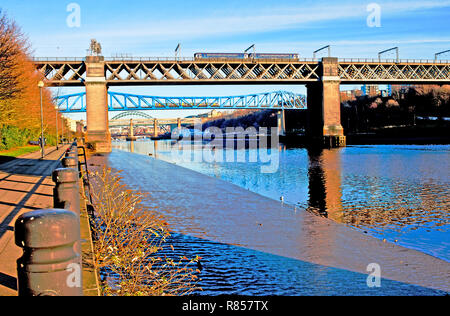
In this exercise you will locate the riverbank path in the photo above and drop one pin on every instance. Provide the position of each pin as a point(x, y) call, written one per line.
point(25, 185)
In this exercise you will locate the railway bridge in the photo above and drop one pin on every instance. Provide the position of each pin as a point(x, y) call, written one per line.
point(322, 78)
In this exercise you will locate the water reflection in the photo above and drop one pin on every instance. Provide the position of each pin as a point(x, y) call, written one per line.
point(224, 216)
point(324, 185)
point(131, 146)
point(398, 193)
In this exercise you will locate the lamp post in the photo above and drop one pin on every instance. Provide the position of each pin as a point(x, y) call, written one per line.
point(251, 47)
point(177, 49)
point(389, 50)
point(62, 129)
point(41, 85)
point(440, 53)
point(56, 120)
point(320, 49)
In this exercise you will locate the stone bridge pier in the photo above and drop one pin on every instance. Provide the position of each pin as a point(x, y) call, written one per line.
point(98, 135)
point(324, 107)
point(281, 123)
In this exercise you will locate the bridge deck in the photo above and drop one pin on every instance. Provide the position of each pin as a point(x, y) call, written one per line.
point(189, 71)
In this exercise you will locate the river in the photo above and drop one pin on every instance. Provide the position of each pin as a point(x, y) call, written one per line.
point(395, 193)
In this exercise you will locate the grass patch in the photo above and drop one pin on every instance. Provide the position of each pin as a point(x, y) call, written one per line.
point(19, 151)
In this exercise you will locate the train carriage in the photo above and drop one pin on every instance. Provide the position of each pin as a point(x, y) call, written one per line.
point(198, 56)
point(274, 56)
point(220, 55)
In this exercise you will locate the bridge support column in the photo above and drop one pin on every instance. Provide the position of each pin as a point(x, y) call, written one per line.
point(98, 135)
point(324, 107)
point(281, 123)
point(131, 132)
point(155, 128)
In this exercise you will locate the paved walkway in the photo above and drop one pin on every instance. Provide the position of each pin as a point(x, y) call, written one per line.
point(25, 185)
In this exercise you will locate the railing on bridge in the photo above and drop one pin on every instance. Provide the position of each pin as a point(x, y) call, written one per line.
point(394, 61)
point(128, 102)
point(172, 59)
point(53, 59)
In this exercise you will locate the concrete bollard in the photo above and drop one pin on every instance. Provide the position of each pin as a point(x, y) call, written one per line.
point(73, 153)
point(70, 162)
point(49, 265)
point(66, 193)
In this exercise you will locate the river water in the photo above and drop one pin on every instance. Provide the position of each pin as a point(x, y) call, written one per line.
point(397, 193)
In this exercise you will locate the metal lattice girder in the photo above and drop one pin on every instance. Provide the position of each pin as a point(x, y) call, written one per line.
point(71, 103)
point(203, 72)
point(72, 71)
point(74, 103)
point(392, 72)
point(62, 71)
point(151, 71)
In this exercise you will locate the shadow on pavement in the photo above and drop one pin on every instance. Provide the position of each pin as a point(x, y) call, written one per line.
point(8, 281)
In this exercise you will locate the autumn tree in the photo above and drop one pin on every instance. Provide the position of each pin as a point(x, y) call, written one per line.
point(19, 93)
point(11, 47)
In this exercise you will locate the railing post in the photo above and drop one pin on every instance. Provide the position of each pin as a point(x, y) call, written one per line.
point(73, 154)
point(73, 163)
point(50, 265)
point(66, 193)
point(70, 162)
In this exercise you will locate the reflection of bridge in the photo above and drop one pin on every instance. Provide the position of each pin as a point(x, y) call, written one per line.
point(321, 77)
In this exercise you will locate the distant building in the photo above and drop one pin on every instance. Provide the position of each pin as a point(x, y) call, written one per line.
point(72, 125)
point(350, 95)
point(371, 90)
point(211, 114)
point(80, 127)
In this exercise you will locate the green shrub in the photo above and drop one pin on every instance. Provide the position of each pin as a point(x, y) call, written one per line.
point(13, 136)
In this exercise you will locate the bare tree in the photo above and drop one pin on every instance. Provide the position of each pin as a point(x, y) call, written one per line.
point(11, 46)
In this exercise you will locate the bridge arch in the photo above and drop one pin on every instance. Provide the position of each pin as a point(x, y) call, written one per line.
point(131, 114)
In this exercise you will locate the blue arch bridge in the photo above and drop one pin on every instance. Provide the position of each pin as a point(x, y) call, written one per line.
point(76, 103)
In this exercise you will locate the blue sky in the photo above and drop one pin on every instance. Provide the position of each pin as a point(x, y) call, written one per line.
point(154, 28)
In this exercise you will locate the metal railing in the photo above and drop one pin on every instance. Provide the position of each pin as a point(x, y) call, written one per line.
point(219, 59)
point(62, 59)
point(389, 61)
point(146, 59)
point(308, 60)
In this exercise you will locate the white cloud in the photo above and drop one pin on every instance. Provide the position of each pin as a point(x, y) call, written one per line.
point(255, 21)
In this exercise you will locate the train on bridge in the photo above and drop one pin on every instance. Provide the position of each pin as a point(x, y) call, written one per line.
point(200, 56)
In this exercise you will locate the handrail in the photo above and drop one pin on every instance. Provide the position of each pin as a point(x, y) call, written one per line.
point(178, 59)
point(219, 59)
point(43, 59)
point(86, 181)
point(400, 61)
